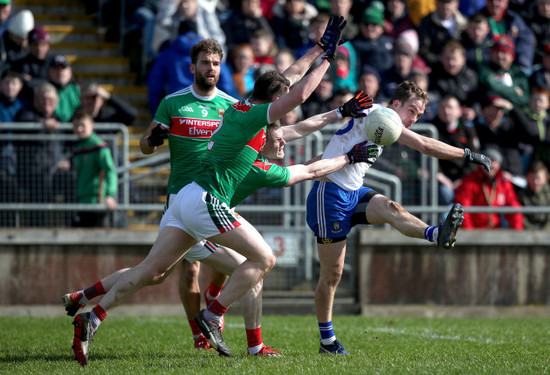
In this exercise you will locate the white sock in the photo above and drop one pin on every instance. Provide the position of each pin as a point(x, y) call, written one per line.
point(255, 349)
point(210, 316)
point(328, 341)
point(94, 320)
point(83, 298)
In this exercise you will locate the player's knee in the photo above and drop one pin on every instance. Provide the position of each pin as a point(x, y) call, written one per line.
point(393, 208)
point(332, 275)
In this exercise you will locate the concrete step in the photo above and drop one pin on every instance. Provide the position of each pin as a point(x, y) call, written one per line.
point(90, 49)
point(76, 19)
point(45, 7)
point(72, 33)
point(104, 65)
point(114, 78)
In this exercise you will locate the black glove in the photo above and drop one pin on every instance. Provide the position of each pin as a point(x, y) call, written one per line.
point(158, 135)
point(330, 40)
point(361, 153)
point(477, 158)
point(355, 106)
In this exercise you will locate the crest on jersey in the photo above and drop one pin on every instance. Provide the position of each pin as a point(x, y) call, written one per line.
point(221, 112)
point(336, 226)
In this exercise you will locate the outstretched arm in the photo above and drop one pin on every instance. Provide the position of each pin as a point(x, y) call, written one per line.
point(441, 150)
point(360, 153)
point(318, 169)
point(352, 108)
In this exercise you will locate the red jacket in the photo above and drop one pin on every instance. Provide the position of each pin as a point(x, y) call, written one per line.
point(477, 190)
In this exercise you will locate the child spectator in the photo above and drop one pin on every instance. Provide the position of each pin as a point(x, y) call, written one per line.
point(283, 60)
point(536, 194)
point(454, 132)
point(95, 172)
point(265, 49)
point(535, 121)
point(244, 69)
point(345, 69)
point(369, 82)
point(10, 88)
point(491, 189)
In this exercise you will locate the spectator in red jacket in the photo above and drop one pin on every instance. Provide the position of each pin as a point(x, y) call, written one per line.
point(481, 188)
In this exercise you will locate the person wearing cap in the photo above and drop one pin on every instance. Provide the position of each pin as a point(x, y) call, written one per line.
point(13, 42)
point(372, 46)
point(60, 74)
point(34, 66)
point(505, 21)
point(491, 189)
point(502, 77)
point(437, 28)
point(369, 81)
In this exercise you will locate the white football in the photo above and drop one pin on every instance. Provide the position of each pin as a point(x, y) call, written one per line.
point(383, 126)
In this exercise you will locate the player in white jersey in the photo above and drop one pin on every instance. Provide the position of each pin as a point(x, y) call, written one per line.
point(334, 207)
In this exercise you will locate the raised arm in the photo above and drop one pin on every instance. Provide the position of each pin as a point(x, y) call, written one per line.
point(352, 108)
point(331, 37)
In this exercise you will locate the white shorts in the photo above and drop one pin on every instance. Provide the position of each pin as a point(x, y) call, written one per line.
point(200, 251)
point(199, 213)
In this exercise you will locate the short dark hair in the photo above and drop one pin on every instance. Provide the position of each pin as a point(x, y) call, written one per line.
point(207, 46)
point(407, 90)
point(11, 74)
point(81, 114)
point(269, 85)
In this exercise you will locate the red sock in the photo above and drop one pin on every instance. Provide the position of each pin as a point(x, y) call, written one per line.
point(216, 308)
point(254, 337)
point(214, 290)
point(195, 330)
point(94, 291)
point(99, 312)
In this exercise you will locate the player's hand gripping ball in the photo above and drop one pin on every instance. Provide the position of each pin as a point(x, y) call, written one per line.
point(383, 126)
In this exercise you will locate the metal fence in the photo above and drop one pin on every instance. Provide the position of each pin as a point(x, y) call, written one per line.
point(44, 197)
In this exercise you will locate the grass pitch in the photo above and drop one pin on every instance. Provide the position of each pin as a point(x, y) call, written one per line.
point(161, 345)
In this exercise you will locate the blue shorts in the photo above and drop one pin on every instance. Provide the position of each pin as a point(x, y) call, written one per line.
point(333, 211)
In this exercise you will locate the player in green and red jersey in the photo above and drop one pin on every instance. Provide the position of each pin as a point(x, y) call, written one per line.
point(197, 213)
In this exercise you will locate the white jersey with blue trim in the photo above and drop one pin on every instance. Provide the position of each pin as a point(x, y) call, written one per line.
point(351, 176)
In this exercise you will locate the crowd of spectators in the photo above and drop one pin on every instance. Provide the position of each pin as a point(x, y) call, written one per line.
point(485, 64)
point(39, 87)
